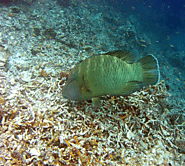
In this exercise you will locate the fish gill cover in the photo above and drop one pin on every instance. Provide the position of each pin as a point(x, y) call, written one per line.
point(39, 45)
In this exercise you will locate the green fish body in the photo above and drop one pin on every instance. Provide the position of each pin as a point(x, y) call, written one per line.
point(112, 73)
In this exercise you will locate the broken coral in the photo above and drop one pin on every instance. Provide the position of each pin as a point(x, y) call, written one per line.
point(39, 127)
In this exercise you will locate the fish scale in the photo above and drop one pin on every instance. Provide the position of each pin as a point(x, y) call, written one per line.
point(105, 79)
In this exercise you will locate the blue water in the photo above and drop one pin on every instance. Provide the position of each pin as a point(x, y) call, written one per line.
point(164, 18)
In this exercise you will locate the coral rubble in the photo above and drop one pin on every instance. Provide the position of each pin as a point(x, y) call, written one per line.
point(38, 130)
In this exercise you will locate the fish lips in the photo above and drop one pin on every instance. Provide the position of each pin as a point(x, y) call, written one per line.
point(71, 90)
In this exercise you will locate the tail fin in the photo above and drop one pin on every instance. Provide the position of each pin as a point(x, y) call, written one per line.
point(151, 73)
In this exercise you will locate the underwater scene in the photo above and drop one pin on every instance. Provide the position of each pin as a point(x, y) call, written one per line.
point(92, 83)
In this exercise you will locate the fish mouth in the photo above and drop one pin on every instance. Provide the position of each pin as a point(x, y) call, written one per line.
point(66, 97)
point(64, 92)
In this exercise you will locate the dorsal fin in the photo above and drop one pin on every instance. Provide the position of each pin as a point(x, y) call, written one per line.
point(124, 55)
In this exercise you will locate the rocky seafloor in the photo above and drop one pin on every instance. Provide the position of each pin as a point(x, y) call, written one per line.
point(39, 43)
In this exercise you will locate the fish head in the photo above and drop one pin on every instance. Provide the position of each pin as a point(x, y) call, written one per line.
point(72, 89)
point(76, 88)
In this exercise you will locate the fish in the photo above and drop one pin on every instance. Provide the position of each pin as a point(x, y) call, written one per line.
point(113, 73)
